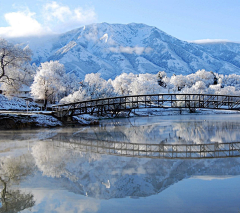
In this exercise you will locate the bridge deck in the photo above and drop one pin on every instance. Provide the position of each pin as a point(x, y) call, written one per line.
point(115, 105)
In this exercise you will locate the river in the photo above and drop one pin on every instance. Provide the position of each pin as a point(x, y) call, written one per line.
point(51, 170)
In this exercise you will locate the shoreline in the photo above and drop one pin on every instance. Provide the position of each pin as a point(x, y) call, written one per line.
point(14, 120)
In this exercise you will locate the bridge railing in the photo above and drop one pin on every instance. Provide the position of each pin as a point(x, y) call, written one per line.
point(167, 151)
point(117, 104)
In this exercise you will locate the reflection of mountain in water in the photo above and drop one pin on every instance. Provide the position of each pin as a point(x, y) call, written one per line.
point(106, 177)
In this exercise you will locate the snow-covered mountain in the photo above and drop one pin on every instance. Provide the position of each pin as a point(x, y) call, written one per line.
point(112, 49)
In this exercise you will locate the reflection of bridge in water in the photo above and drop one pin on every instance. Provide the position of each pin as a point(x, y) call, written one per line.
point(113, 106)
point(166, 151)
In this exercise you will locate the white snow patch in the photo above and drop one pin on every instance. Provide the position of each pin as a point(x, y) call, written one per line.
point(107, 184)
point(104, 38)
point(87, 117)
point(67, 47)
point(46, 120)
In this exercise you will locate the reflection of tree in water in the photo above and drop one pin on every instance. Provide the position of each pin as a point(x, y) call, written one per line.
point(13, 171)
point(15, 201)
point(193, 131)
point(52, 165)
point(207, 131)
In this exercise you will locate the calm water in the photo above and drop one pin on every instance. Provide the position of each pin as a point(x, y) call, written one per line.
point(39, 174)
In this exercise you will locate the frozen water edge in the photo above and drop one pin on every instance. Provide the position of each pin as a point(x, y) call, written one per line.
point(170, 111)
point(46, 120)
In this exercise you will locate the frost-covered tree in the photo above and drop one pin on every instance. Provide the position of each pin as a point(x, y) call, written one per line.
point(49, 82)
point(179, 81)
point(131, 84)
point(145, 84)
point(161, 76)
point(215, 79)
point(121, 83)
point(231, 80)
point(214, 89)
point(15, 69)
point(198, 88)
point(93, 87)
point(13, 59)
point(229, 90)
point(22, 78)
point(96, 87)
point(207, 77)
point(77, 96)
point(71, 82)
point(201, 82)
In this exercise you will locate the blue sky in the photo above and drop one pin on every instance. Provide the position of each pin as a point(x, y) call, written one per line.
point(185, 19)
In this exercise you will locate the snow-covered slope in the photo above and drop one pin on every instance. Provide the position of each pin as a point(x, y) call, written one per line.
point(225, 51)
point(112, 49)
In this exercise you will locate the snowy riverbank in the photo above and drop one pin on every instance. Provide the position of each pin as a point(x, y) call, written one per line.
point(19, 120)
point(23, 121)
point(17, 113)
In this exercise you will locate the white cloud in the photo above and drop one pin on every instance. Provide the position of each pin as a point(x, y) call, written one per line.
point(22, 24)
point(207, 41)
point(213, 177)
point(57, 19)
point(54, 10)
point(130, 50)
point(62, 18)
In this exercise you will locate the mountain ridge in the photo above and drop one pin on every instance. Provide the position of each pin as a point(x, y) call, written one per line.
point(111, 49)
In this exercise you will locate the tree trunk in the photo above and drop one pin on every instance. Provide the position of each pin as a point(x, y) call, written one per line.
point(45, 103)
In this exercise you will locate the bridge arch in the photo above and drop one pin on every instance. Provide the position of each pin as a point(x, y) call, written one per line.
point(114, 105)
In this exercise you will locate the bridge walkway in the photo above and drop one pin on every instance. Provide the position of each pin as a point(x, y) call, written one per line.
point(113, 106)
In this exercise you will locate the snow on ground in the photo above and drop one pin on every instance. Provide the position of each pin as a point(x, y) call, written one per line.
point(15, 108)
point(10, 105)
point(14, 103)
point(24, 120)
point(46, 120)
point(81, 120)
point(170, 111)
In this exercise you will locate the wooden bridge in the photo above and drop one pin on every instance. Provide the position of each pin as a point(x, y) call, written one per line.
point(166, 151)
point(113, 106)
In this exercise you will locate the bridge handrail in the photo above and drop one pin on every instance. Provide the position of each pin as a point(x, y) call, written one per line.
point(129, 96)
point(114, 105)
point(150, 144)
point(168, 151)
